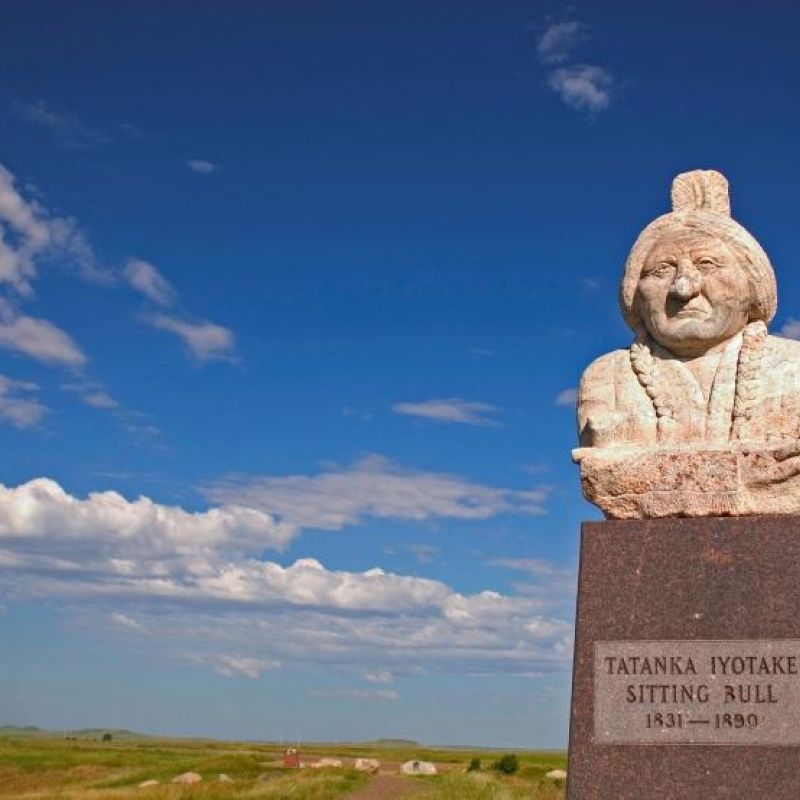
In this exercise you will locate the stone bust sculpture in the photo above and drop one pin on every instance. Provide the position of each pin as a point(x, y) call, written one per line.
point(701, 414)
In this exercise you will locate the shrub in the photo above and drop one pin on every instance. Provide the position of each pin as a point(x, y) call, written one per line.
point(474, 765)
point(508, 764)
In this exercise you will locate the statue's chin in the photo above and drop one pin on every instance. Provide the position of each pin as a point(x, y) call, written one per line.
point(692, 337)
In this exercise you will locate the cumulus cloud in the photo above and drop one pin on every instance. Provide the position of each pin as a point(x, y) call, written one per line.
point(201, 165)
point(205, 340)
point(69, 131)
point(567, 398)
point(454, 409)
point(583, 87)
point(18, 405)
point(147, 280)
point(372, 487)
point(37, 338)
point(204, 567)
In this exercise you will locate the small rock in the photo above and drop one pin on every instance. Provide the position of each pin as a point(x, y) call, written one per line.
point(151, 782)
point(223, 778)
point(367, 764)
point(326, 762)
point(187, 777)
point(418, 768)
point(556, 774)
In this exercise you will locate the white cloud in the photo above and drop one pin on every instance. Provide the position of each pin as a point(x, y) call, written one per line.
point(379, 676)
point(385, 695)
point(372, 487)
point(454, 409)
point(567, 398)
point(37, 338)
point(201, 165)
point(583, 87)
point(146, 278)
point(242, 666)
point(69, 131)
point(206, 341)
point(203, 569)
point(557, 40)
point(791, 329)
point(29, 233)
point(126, 622)
point(17, 406)
point(43, 526)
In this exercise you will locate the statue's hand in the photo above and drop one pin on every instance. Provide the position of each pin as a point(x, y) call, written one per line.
point(606, 429)
point(766, 467)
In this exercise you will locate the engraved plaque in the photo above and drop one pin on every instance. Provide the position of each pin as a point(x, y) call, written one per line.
point(726, 692)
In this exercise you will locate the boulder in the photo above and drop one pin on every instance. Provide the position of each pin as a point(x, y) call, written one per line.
point(556, 774)
point(326, 762)
point(223, 778)
point(187, 777)
point(151, 782)
point(367, 764)
point(418, 768)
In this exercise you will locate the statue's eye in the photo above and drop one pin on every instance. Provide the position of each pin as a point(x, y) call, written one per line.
point(706, 262)
point(661, 270)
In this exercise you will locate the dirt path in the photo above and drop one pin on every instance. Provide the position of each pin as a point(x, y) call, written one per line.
point(387, 787)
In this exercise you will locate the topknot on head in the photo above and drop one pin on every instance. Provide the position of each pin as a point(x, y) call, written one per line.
point(701, 190)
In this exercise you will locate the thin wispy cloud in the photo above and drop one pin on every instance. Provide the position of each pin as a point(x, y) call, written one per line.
point(453, 409)
point(372, 487)
point(583, 87)
point(557, 41)
point(147, 280)
point(201, 166)
point(567, 398)
point(31, 236)
point(19, 404)
point(37, 339)
point(587, 88)
point(205, 340)
point(67, 129)
point(791, 329)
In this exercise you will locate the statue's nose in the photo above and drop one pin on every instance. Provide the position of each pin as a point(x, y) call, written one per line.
point(686, 283)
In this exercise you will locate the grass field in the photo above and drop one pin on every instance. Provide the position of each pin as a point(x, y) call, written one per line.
point(49, 767)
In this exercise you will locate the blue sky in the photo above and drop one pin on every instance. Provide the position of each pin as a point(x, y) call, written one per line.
point(293, 297)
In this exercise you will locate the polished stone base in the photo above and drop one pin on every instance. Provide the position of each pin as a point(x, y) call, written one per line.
point(655, 594)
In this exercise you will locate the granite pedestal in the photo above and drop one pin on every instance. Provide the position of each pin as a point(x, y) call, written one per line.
point(686, 678)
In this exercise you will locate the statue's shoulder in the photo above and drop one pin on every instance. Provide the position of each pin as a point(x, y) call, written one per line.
point(608, 364)
point(787, 348)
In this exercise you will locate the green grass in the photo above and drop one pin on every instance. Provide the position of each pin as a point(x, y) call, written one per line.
point(50, 768)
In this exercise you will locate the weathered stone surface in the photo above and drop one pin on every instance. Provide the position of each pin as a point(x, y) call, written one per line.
point(630, 482)
point(704, 402)
point(700, 588)
point(324, 763)
point(367, 764)
point(418, 768)
point(188, 778)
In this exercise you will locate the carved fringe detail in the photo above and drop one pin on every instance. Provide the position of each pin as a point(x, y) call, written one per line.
point(747, 382)
point(747, 378)
point(649, 375)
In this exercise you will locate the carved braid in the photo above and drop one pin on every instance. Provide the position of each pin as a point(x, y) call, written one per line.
point(646, 369)
point(747, 378)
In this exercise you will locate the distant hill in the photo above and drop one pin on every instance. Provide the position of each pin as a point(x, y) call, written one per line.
point(81, 733)
point(394, 742)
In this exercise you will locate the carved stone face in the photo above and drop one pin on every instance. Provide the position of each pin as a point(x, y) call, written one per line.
point(692, 293)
